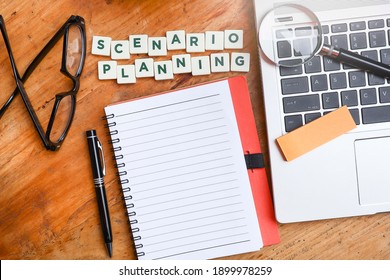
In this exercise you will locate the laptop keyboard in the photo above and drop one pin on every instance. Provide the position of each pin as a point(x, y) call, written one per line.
point(322, 84)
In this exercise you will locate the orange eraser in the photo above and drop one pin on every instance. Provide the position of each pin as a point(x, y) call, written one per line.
point(316, 133)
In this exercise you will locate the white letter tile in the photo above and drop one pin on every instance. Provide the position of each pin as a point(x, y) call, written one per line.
point(220, 62)
point(181, 63)
point(234, 39)
point(126, 74)
point(200, 65)
point(138, 44)
point(195, 42)
point(163, 70)
point(215, 40)
point(240, 62)
point(120, 49)
point(176, 40)
point(157, 46)
point(101, 45)
point(107, 70)
point(144, 67)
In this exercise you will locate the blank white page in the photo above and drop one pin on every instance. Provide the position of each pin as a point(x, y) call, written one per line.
point(184, 174)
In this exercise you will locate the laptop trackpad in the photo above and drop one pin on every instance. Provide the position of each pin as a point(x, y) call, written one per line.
point(373, 161)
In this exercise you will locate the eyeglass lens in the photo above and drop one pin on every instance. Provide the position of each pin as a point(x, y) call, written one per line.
point(74, 50)
point(62, 118)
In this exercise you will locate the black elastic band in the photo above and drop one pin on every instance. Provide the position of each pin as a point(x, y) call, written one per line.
point(254, 161)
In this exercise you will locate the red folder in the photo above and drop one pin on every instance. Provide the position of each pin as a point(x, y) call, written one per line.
point(250, 144)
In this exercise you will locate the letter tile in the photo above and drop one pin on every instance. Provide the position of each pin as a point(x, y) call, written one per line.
point(144, 67)
point(220, 62)
point(138, 44)
point(200, 65)
point(125, 74)
point(234, 39)
point(107, 70)
point(240, 62)
point(101, 45)
point(120, 49)
point(195, 42)
point(157, 46)
point(215, 40)
point(181, 63)
point(176, 40)
point(163, 70)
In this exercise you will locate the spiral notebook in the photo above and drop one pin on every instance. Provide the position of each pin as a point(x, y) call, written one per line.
point(184, 176)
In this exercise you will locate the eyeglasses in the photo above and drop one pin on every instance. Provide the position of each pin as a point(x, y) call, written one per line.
point(73, 57)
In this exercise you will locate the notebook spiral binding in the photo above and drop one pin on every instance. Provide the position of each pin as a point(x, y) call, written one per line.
point(124, 181)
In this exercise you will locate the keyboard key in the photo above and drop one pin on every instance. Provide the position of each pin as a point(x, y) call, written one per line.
point(292, 122)
point(357, 78)
point(355, 115)
point(288, 71)
point(359, 25)
point(388, 34)
point(376, 114)
point(311, 117)
point(374, 80)
point(358, 41)
point(385, 56)
point(319, 82)
point(325, 29)
point(284, 33)
point(384, 94)
point(330, 64)
point(303, 31)
point(339, 41)
point(388, 22)
point(377, 39)
point(372, 54)
point(338, 81)
point(302, 47)
point(342, 27)
point(368, 96)
point(374, 24)
point(349, 98)
point(313, 65)
point(284, 49)
point(301, 103)
point(330, 100)
point(295, 85)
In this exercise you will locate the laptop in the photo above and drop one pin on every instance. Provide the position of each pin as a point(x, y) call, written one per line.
point(350, 175)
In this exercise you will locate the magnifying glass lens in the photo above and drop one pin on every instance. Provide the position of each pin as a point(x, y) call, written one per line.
point(290, 35)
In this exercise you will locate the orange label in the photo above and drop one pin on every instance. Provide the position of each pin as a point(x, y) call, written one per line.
point(316, 133)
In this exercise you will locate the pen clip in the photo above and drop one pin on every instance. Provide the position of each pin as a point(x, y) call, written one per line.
point(102, 156)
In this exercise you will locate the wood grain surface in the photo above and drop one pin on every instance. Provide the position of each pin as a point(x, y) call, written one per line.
point(48, 206)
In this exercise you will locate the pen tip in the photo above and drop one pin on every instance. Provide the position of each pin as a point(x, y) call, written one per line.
point(109, 249)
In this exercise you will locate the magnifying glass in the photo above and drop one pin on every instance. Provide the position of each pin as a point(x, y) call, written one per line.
point(291, 35)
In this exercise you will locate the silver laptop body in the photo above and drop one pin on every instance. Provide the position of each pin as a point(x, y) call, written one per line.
point(350, 175)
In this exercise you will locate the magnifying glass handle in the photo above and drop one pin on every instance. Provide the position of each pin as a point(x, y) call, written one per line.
point(356, 60)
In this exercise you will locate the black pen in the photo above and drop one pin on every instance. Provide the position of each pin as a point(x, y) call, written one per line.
point(99, 170)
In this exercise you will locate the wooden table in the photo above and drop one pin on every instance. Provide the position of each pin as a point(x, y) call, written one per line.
point(47, 200)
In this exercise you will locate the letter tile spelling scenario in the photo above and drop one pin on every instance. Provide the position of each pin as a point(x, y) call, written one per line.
point(151, 47)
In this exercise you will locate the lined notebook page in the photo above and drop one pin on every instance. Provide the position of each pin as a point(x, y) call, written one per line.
point(184, 174)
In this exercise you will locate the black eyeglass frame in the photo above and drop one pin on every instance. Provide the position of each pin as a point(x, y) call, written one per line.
point(62, 32)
